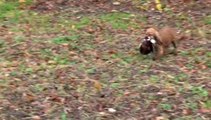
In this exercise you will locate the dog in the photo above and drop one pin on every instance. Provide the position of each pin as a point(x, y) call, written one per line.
point(164, 38)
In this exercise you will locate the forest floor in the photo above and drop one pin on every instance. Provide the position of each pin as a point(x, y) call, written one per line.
point(79, 60)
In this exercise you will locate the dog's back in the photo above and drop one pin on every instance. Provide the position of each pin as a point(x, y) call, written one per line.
point(167, 35)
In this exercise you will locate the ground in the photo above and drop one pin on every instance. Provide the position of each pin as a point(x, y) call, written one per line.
point(79, 60)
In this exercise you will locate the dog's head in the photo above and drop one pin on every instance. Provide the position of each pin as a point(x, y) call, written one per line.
point(154, 34)
point(151, 32)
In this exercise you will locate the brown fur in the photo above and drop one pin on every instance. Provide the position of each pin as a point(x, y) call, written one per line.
point(164, 38)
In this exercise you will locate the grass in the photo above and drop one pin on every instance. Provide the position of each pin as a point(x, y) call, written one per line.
point(63, 59)
point(154, 79)
point(191, 105)
point(180, 78)
point(166, 106)
point(119, 20)
point(207, 20)
point(66, 39)
point(207, 104)
point(2, 46)
point(60, 60)
point(6, 8)
point(10, 10)
point(199, 91)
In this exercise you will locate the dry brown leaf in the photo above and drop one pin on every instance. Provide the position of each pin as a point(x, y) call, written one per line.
point(97, 85)
point(203, 110)
point(57, 99)
point(186, 111)
point(22, 1)
point(28, 97)
point(202, 66)
point(160, 118)
point(36, 118)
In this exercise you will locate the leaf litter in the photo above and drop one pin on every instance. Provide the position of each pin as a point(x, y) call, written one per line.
point(100, 74)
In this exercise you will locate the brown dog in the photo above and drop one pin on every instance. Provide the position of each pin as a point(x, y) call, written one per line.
point(164, 38)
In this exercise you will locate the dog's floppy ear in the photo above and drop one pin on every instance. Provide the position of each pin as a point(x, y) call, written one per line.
point(158, 39)
point(152, 32)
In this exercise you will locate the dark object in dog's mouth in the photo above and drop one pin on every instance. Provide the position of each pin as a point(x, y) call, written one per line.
point(146, 46)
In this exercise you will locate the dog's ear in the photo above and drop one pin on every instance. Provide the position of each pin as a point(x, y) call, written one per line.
point(152, 32)
point(158, 39)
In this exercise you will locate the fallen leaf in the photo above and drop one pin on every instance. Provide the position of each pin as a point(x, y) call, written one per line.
point(102, 113)
point(57, 99)
point(202, 66)
point(28, 97)
point(22, 1)
point(111, 110)
point(97, 85)
point(116, 3)
point(186, 111)
point(36, 118)
point(205, 110)
point(73, 26)
point(201, 33)
point(158, 5)
point(160, 118)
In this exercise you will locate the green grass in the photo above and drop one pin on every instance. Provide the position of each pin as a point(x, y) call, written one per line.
point(207, 104)
point(207, 20)
point(119, 20)
point(191, 105)
point(63, 116)
point(7, 7)
point(199, 91)
point(43, 23)
point(181, 77)
point(25, 70)
point(83, 22)
point(66, 39)
point(91, 70)
point(154, 79)
point(115, 85)
point(10, 11)
point(73, 25)
point(165, 106)
point(2, 46)
point(208, 54)
point(208, 63)
point(61, 60)
point(3, 82)
point(38, 87)
point(46, 53)
point(19, 38)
